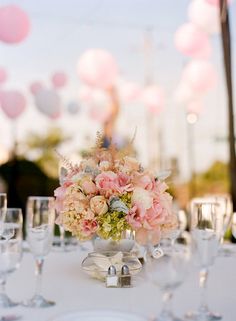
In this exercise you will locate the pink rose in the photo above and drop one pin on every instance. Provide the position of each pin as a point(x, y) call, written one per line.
point(160, 187)
point(136, 215)
point(145, 181)
point(124, 182)
point(59, 193)
point(98, 204)
point(108, 183)
point(155, 216)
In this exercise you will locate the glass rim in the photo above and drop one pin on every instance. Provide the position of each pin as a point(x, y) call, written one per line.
point(205, 202)
point(3, 194)
point(14, 209)
point(44, 198)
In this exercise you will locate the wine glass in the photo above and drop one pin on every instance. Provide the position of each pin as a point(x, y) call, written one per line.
point(3, 207)
point(63, 243)
point(225, 209)
point(168, 269)
point(206, 230)
point(233, 226)
point(10, 250)
point(40, 220)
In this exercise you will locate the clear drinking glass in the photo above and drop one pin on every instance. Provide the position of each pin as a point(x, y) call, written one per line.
point(206, 230)
point(233, 226)
point(225, 211)
point(168, 270)
point(10, 250)
point(40, 220)
point(3, 208)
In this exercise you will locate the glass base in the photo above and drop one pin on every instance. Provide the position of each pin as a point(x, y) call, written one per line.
point(208, 316)
point(6, 302)
point(167, 316)
point(173, 318)
point(66, 245)
point(38, 302)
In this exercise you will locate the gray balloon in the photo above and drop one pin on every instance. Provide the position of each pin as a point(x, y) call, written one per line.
point(73, 108)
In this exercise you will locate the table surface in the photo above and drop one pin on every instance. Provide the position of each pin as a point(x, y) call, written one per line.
point(71, 289)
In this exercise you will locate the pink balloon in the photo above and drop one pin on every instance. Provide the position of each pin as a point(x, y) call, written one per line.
point(99, 114)
point(59, 79)
point(48, 102)
point(130, 92)
point(14, 24)
point(85, 94)
point(153, 98)
point(98, 68)
point(35, 87)
point(200, 75)
point(204, 15)
point(195, 106)
point(192, 41)
point(216, 2)
point(13, 103)
point(183, 93)
point(3, 75)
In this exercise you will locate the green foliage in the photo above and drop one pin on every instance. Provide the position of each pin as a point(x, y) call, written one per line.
point(214, 180)
point(43, 148)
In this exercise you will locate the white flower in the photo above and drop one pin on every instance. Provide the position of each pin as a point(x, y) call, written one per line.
point(142, 197)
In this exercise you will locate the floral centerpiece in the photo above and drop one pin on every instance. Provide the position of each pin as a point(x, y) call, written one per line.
point(108, 193)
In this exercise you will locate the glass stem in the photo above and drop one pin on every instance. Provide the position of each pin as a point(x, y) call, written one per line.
point(166, 311)
point(203, 276)
point(2, 285)
point(38, 272)
point(62, 237)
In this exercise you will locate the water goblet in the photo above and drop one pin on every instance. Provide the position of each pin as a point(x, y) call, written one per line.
point(168, 270)
point(40, 220)
point(3, 208)
point(206, 230)
point(225, 211)
point(10, 251)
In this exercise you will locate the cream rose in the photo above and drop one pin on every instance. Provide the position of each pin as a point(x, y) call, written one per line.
point(131, 164)
point(98, 205)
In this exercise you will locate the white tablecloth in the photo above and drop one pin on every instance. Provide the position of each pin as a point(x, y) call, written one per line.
point(65, 282)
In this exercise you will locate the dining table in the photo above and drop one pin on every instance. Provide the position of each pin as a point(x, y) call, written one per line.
point(65, 282)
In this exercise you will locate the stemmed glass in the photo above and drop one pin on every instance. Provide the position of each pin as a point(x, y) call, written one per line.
point(233, 227)
point(3, 208)
point(168, 270)
point(206, 229)
point(10, 250)
point(64, 244)
point(225, 210)
point(40, 220)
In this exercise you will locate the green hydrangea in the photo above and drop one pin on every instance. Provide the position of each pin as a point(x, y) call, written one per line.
point(126, 199)
point(112, 224)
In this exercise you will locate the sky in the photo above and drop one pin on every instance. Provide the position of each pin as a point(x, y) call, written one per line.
point(62, 30)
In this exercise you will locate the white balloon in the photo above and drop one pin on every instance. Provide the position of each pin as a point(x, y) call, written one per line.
point(183, 93)
point(48, 102)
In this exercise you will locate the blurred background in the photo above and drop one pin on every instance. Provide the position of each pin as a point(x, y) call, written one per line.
point(150, 68)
